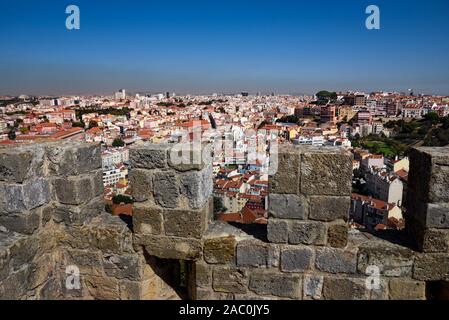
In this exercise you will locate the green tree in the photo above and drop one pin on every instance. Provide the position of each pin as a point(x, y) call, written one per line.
point(432, 117)
point(78, 124)
point(118, 143)
point(12, 134)
point(24, 130)
point(445, 122)
point(218, 206)
point(93, 124)
point(118, 199)
point(288, 119)
point(326, 95)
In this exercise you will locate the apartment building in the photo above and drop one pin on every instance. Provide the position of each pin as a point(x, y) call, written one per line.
point(385, 186)
point(372, 212)
point(112, 157)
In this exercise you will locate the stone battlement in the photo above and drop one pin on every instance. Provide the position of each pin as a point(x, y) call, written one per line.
point(51, 217)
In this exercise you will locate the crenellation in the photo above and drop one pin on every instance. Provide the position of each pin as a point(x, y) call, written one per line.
point(428, 198)
point(52, 216)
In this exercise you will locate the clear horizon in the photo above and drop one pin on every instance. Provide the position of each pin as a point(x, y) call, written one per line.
point(221, 47)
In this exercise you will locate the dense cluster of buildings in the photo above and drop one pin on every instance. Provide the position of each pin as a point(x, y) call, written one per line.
point(245, 127)
point(384, 183)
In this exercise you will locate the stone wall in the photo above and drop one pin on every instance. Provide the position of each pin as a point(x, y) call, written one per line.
point(51, 217)
point(428, 199)
point(310, 253)
point(173, 201)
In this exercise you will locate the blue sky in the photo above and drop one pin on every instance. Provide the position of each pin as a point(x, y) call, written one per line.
point(223, 46)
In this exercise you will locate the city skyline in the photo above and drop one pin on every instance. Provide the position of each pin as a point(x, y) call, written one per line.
point(199, 48)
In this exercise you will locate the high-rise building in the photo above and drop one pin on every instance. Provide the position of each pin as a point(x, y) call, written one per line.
point(121, 94)
point(359, 100)
point(328, 114)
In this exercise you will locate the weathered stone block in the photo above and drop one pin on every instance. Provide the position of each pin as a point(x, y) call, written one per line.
point(110, 234)
point(402, 289)
point(89, 262)
point(250, 297)
point(141, 182)
point(379, 291)
point(326, 172)
point(231, 280)
point(277, 230)
point(334, 260)
point(123, 266)
point(428, 215)
point(288, 206)
point(46, 213)
point(77, 237)
point(392, 260)
point(171, 247)
point(275, 284)
point(73, 158)
point(21, 197)
point(53, 289)
point(21, 163)
point(42, 270)
point(4, 263)
point(307, 232)
point(296, 259)
point(313, 286)
point(220, 250)
point(209, 294)
point(101, 287)
point(166, 189)
point(149, 156)
point(130, 290)
point(15, 286)
point(188, 157)
point(77, 214)
point(344, 289)
point(286, 179)
point(97, 183)
point(147, 219)
point(255, 253)
point(429, 174)
point(337, 235)
point(25, 222)
point(431, 267)
point(185, 223)
point(435, 240)
point(74, 190)
point(23, 251)
point(197, 186)
point(203, 275)
point(325, 208)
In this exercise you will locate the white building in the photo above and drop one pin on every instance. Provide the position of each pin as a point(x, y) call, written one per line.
point(309, 140)
point(111, 177)
point(113, 157)
point(121, 94)
point(386, 187)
